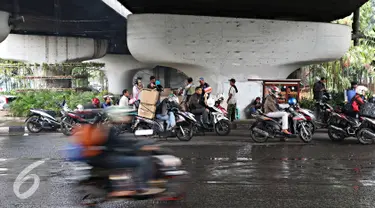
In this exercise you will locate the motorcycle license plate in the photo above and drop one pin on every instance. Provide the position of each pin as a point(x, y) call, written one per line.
point(144, 132)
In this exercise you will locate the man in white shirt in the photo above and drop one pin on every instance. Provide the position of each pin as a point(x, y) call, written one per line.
point(137, 88)
point(124, 101)
point(232, 101)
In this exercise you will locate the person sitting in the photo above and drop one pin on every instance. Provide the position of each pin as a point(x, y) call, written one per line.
point(197, 107)
point(107, 102)
point(99, 144)
point(124, 101)
point(350, 93)
point(95, 104)
point(163, 113)
point(271, 108)
point(255, 105)
point(152, 84)
point(356, 102)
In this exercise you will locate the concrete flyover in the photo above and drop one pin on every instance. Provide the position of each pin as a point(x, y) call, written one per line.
point(51, 49)
point(219, 48)
point(4, 25)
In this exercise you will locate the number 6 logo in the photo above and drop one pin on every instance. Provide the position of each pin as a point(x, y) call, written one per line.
point(22, 177)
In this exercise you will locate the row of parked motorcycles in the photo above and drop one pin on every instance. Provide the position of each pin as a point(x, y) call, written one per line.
point(304, 122)
point(187, 124)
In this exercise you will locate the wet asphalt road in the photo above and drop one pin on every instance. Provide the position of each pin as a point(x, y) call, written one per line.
point(226, 172)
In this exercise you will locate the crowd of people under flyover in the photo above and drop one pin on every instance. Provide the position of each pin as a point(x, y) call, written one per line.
point(193, 99)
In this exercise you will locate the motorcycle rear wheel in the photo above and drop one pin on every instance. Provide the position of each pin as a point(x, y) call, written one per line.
point(363, 139)
point(222, 128)
point(31, 126)
point(257, 137)
point(334, 135)
point(188, 133)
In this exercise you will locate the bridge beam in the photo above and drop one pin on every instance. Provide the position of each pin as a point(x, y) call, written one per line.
point(51, 49)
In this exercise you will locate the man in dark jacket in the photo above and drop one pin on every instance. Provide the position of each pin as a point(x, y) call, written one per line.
point(196, 105)
point(319, 88)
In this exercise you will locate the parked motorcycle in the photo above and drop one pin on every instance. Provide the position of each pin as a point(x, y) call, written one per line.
point(169, 178)
point(265, 127)
point(184, 125)
point(40, 119)
point(342, 126)
point(217, 117)
point(73, 119)
point(322, 120)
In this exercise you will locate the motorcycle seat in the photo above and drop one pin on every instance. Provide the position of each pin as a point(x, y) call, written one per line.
point(49, 112)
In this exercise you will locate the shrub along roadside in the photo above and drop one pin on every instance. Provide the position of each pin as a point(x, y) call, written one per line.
point(49, 100)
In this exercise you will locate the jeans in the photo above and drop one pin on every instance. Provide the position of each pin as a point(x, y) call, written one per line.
point(201, 111)
point(142, 165)
point(280, 114)
point(170, 118)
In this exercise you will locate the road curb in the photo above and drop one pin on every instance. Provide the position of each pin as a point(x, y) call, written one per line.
point(8, 130)
point(19, 130)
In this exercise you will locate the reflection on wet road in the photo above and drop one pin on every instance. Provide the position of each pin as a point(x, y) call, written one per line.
point(234, 174)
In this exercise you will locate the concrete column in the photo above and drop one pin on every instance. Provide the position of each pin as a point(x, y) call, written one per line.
point(4, 25)
point(120, 70)
point(219, 48)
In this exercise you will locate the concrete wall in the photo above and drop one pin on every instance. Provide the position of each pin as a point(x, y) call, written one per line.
point(51, 49)
point(4, 25)
point(220, 48)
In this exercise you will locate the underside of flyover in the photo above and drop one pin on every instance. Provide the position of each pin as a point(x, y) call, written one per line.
point(303, 10)
point(83, 18)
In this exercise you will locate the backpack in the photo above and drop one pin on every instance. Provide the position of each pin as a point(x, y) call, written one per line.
point(348, 108)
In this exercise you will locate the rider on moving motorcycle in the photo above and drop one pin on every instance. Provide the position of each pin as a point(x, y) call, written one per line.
point(99, 143)
point(271, 108)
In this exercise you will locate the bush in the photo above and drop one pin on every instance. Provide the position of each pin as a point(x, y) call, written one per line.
point(307, 103)
point(48, 101)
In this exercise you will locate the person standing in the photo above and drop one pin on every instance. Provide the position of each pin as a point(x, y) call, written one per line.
point(232, 101)
point(124, 101)
point(319, 88)
point(137, 88)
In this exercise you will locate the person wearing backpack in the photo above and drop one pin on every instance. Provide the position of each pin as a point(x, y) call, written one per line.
point(353, 107)
point(350, 93)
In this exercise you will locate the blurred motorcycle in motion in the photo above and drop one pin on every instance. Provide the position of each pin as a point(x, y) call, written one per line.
point(166, 178)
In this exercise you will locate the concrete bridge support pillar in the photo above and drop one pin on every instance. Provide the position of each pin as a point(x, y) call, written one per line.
point(120, 70)
point(219, 48)
point(4, 25)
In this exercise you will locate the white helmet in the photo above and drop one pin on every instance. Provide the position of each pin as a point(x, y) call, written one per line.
point(273, 90)
point(361, 90)
point(80, 107)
